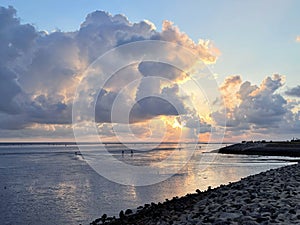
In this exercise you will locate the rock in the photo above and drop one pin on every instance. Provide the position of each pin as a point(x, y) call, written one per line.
point(221, 222)
point(261, 219)
point(198, 191)
point(121, 214)
point(292, 211)
point(97, 221)
point(229, 215)
point(128, 211)
point(250, 222)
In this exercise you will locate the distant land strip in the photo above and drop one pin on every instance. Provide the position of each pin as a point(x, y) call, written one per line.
point(280, 148)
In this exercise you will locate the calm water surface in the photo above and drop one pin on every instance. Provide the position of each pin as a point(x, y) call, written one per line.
point(51, 185)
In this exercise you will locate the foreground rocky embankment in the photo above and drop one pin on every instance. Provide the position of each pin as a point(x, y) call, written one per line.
point(270, 197)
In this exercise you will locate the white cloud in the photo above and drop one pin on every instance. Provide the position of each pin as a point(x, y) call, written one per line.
point(204, 49)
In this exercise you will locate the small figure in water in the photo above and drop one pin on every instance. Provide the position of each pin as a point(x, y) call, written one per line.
point(131, 153)
point(122, 153)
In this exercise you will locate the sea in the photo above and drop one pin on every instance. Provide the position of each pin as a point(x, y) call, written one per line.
point(54, 184)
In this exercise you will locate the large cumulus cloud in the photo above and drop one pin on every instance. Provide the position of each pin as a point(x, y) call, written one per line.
point(39, 71)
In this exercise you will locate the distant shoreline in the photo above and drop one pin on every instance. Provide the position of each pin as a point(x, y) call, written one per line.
point(280, 148)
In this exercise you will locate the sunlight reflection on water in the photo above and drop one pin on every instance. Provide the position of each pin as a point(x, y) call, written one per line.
point(45, 185)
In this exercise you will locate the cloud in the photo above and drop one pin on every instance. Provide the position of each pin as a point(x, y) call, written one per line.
point(192, 120)
point(48, 110)
point(204, 49)
point(141, 108)
point(258, 110)
point(150, 107)
point(228, 89)
point(295, 91)
point(39, 71)
point(164, 70)
point(15, 40)
point(12, 122)
point(9, 89)
point(105, 103)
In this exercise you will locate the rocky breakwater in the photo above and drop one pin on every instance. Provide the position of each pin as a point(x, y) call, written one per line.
point(270, 197)
point(264, 148)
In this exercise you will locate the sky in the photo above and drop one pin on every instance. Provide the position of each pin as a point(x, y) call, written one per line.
point(252, 49)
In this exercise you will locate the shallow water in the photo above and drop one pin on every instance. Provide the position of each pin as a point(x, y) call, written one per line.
point(51, 185)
